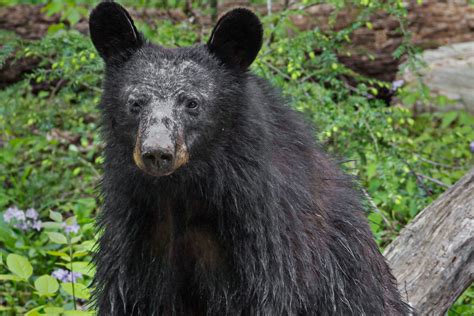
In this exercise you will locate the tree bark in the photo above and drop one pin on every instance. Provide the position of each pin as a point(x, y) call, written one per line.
point(433, 257)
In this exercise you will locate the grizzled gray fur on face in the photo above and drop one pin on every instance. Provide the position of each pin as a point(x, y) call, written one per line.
point(162, 117)
point(217, 200)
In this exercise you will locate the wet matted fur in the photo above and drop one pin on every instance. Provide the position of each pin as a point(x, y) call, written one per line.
point(251, 217)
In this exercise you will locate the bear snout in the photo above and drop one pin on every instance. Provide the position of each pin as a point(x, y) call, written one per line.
point(159, 152)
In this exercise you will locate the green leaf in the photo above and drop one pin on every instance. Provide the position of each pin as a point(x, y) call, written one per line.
point(56, 27)
point(56, 216)
point(6, 235)
point(448, 118)
point(83, 267)
point(371, 170)
point(52, 225)
point(410, 99)
point(75, 239)
point(34, 311)
point(80, 290)
point(53, 7)
point(73, 16)
point(87, 245)
point(19, 265)
point(71, 220)
point(375, 219)
point(9, 277)
point(78, 313)
point(57, 238)
point(53, 310)
point(46, 285)
point(61, 254)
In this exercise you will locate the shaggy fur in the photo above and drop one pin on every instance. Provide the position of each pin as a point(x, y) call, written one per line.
point(259, 221)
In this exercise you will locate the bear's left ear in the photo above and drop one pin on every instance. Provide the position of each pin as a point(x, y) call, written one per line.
point(237, 38)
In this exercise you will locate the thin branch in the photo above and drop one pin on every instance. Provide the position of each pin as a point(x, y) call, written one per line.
point(88, 86)
point(436, 181)
point(438, 164)
point(374, 139)
point(419, 179)
point(56, 88)
point(281, 73)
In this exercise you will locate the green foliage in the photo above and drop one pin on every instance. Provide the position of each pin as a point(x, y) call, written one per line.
point(51, 151)
point(50, 162)
point(404, 161)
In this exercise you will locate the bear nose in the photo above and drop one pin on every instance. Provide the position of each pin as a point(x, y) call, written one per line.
point(159, 159)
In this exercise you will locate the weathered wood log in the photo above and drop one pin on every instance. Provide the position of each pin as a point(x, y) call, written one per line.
point(447, 71)
point(433, 257)
point(432, 24)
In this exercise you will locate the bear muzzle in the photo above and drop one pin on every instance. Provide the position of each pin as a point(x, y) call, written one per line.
point(159, 152)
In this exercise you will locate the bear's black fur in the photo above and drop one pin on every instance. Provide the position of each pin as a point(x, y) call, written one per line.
point(217, 201)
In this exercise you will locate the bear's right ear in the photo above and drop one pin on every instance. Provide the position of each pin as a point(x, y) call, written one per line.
point(113, 32)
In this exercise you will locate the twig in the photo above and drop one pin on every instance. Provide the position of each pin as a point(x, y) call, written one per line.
point(436, 181)
point(419, 179)
point(91, 87)
point(276, 70)
point(438, 164)
point(56, 88)
point(90, 165)
point(374, 139)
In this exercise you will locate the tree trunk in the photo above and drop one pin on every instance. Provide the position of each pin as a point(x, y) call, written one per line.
point(433, 257)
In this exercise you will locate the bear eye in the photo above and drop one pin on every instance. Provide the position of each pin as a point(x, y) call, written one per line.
point(135, 105)
point(192, 104)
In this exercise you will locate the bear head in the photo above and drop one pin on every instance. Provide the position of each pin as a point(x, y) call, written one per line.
point(167, 106)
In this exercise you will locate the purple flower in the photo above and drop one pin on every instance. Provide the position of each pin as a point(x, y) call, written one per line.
point(60, 274)
point(73, 276)
point(22, 225)
point(37, 225)
point(471, 147)
point(71, 228)
point(31, 213)
point(8, 215)
point(65, 275)
point(21, 220)
point(13, 213)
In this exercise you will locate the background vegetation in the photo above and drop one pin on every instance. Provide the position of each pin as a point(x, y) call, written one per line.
point(50, 153)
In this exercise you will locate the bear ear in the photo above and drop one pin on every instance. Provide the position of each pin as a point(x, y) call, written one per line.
point(113, 32)
point(237, 38)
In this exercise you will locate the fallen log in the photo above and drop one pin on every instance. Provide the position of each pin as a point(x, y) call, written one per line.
point(432, 24)
point(433, 257)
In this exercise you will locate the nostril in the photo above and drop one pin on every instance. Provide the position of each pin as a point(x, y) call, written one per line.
point(166, 157)
point(149, 158)
point(157, 159)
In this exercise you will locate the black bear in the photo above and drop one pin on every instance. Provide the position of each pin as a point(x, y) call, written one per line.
point(217, 200)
